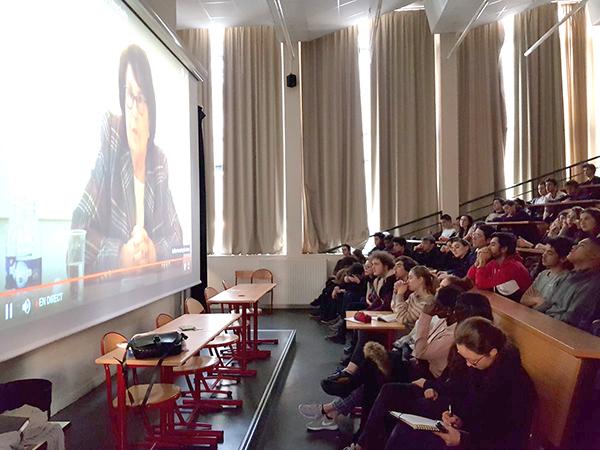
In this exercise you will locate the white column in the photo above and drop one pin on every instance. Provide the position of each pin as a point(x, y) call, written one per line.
point(447, 124)
point(293, 156)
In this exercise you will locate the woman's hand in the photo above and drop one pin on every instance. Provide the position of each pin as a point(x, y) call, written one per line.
point(451, 438)
point(452, 419)
point(430, 394)
point(400, 287)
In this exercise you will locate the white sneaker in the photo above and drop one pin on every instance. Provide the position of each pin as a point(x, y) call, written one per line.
point(351, 447)
point(323, 423)
point(311, 411)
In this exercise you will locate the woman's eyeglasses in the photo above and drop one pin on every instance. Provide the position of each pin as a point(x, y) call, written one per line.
point(139, 100)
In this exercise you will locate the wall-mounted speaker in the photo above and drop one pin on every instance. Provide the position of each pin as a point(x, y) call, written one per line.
point(291, 80)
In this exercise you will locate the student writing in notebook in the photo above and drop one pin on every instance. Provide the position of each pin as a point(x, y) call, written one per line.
point(490, 393)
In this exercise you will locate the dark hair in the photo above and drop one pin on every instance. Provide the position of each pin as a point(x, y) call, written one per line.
point(358, 254)
point(407, 262)
point(134, 57)
point(446, 217)
point(499, 199)
point(551, 180)
point(594, 240)
point(572, 183)
point(510, 203)
point(385, 258)
point(379, 234)
point(507, 240)
point(541, 182)
point(388, 237)
point(461, 241)
point(595, 213)
point(356, 269)
point(446, 296)
point(479, 335)
point(520, 202)
point(347, 246)
point(399, 240)
point(488, 230)
point(429, 239)
point(463, 231)
point(466, 284)
point(472, 304)
point(590, 166)
point(429, 279)
point(561, 245)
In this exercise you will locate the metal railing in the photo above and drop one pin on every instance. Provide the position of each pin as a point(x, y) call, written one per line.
point(429, 224)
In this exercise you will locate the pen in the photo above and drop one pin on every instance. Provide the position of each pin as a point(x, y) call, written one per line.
point(450, 410)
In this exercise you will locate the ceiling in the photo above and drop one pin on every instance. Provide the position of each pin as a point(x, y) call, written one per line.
point(306, 19)
point(309, 19)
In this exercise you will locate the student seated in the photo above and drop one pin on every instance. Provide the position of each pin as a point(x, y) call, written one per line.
point(570, 228)
point(499, 268)
point(573, 192)
point(399, 247)
point(464, 225)
point(490, 395)
point(553, 196)
point(448, 231)
point(427, 253)
point(589, 222)
point(388, 243)
point(379, 242)
point(343, 263)
point(554, 259)
point(497, 210)
point(460, 259)
point(421, 284)
point(575, 298)
point(589, 170)
point(482, 235)
point(542, 192)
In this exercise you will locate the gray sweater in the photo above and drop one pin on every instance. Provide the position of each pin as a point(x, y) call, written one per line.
point(576, 299)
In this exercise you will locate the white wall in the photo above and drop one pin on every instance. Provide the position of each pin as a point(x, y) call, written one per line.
point(299, 278)
point(69, 362)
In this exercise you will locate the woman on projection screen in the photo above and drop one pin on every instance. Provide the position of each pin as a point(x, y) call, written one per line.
point(126, 208)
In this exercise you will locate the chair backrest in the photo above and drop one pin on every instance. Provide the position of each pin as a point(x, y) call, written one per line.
point(193, 306)
point(110, 340)
point(163, 319)
point(36, 392)
point(243, 276)
point(209, 293)
point(107, 344)
point(262, 275)
point(225, 284)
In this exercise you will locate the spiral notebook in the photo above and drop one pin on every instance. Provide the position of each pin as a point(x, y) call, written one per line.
point(418, 422)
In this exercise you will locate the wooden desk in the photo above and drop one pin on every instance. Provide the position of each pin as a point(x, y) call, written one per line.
point(208, 327)
point(391, 329)
point(517, 222)
point(567, 204)
point(246, 296)
point(561, 360)
point(530, 251)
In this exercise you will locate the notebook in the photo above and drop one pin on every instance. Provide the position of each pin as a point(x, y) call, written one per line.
point(11, 423)
point(388, 318)
point(418, 422)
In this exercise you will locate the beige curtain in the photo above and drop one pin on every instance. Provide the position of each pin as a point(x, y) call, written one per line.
point(481, 116)
point(593, 86)
point(253, 141)
point(334, 180)
point(539, 113)
point(573, 52)
point(403, 119)
point(197, 42)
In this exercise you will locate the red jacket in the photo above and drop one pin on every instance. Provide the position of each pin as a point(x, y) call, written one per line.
point(493, 274)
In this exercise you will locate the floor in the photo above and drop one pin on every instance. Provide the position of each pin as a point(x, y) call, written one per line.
point(309, 359)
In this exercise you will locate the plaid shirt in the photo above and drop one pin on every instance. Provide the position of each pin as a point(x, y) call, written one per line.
point(107, 208)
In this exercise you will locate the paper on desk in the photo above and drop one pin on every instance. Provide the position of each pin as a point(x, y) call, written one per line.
point(352, 319)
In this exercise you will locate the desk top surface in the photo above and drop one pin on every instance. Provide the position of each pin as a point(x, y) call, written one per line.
point(374, 325)
point(566, 203)
point(517, 222)
point(207, 327)
point(243, 293)
point(570, 339)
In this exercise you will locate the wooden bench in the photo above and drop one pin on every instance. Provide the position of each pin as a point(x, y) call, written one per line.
point(561, 360)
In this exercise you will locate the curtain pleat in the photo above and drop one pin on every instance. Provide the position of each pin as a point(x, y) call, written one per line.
point(253, 142)
point(539, 112)
point(197, 42)
point(403, 120)
point(482, 115)
point(335, 209)
point(573, 48)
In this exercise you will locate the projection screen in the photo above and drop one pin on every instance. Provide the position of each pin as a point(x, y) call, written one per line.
point(99, 195)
